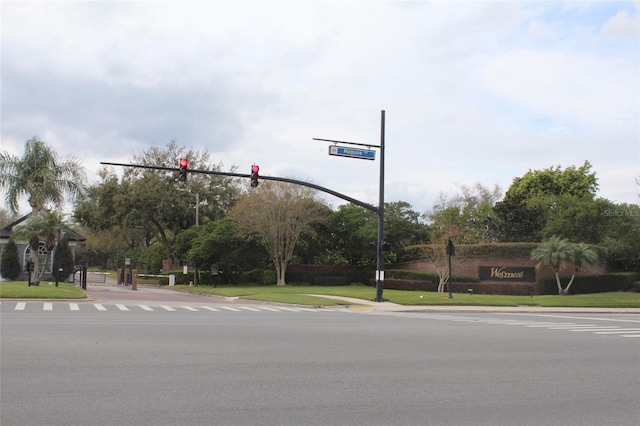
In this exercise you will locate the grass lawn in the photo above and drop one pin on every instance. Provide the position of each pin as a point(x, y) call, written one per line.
point(20, 290)
point(300, 295)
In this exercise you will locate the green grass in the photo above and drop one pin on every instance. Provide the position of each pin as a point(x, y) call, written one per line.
point(20, 290)
point(300, 295)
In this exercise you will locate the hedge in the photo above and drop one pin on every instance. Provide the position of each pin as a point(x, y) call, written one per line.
point(619, 281)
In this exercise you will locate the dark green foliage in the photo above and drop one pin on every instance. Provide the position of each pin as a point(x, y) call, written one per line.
point(10, 262)
point(508, 250)
point(620, 281)
point(63, 258)
point(329, 274)
point(406, 274)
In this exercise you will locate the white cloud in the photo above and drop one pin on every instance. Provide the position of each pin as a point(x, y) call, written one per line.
point(474, 91)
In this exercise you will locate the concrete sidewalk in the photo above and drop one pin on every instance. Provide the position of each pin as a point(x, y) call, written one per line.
point(360, 304)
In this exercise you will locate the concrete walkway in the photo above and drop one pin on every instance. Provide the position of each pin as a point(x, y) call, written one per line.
point(360, 304)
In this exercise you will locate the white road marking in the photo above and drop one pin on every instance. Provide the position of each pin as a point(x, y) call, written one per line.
point(99, 307)
point(74, 306)
point(122, 307)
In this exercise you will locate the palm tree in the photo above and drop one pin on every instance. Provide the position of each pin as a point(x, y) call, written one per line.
point(39, 176)
point(582, 256)
point(558, 253)
point(555, 252)
point(46, 227)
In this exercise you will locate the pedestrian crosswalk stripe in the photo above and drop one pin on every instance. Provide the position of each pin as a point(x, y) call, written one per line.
point(189, 308)
point(47, 307)
point(122, 307)
point(288, 309)
point(210, 308)
point(230, 309)
point(167, 308)
point(99, 307)
point(74, 306)
point(20, 306)
point(145, 307)
point(249, 309)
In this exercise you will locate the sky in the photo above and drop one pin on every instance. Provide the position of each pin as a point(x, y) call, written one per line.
point(473, 91)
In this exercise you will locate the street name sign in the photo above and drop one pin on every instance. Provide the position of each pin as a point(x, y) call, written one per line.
point(343, 151)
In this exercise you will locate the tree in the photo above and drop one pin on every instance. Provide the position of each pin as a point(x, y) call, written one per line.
point(277, 214)
point(44, 226)
point(465, 216)
point(545, 184)
point(581, 256)
point(352, 228)
point(402, 227)
point(149, 206)
point(514, 220)
point(558, 253)
point(10, 262)
point(63, 259)
point(39, 176)
point(534, 198)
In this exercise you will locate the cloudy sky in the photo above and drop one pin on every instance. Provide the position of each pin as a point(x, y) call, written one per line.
point(475, 91)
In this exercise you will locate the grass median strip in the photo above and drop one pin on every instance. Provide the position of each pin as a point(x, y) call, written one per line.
point(302, 295)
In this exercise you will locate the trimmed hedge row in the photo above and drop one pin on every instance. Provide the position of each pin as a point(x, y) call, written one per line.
point(407, 274)
point(508, 250)
point(619, 281)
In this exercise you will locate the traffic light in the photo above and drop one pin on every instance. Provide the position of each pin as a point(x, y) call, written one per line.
point(184, 163)
point(254, 175)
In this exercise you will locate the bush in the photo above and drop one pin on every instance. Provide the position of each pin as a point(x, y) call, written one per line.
point(508, 250)
point(619, 281)
point(9, 262)
point(406, 274)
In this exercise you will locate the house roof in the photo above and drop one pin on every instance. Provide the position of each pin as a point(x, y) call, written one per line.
point(5, 233)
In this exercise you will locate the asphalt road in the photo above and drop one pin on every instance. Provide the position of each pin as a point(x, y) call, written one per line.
point(113, 362)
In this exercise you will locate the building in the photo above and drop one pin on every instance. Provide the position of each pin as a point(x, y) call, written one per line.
point(74, 239)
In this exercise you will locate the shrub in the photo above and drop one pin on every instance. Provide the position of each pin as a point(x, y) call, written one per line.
point(9, 262)
point(619, 281)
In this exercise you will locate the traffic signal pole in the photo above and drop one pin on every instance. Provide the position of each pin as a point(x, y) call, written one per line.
point(379, 210)
point(380, 259)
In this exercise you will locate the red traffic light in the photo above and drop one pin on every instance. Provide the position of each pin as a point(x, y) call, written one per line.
point(254, 175)
point(182, 176)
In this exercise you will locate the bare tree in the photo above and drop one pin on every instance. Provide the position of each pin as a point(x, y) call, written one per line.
point(277, 214)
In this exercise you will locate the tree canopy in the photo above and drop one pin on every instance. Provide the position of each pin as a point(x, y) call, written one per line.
point(40, 176)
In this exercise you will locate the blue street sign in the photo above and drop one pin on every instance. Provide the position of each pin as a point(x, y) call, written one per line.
point(343, 151)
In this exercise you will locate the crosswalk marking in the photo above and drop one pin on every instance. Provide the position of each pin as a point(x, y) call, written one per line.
point(167, 308)
point(99, 307)
point(74, 307)
point(619, 331)
point(146, 308)
point(122, 307)
point(249, 309)
point(47, 307)
point(189, 308)
point(20, 306)
point(230, 309)
point(210, 308)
